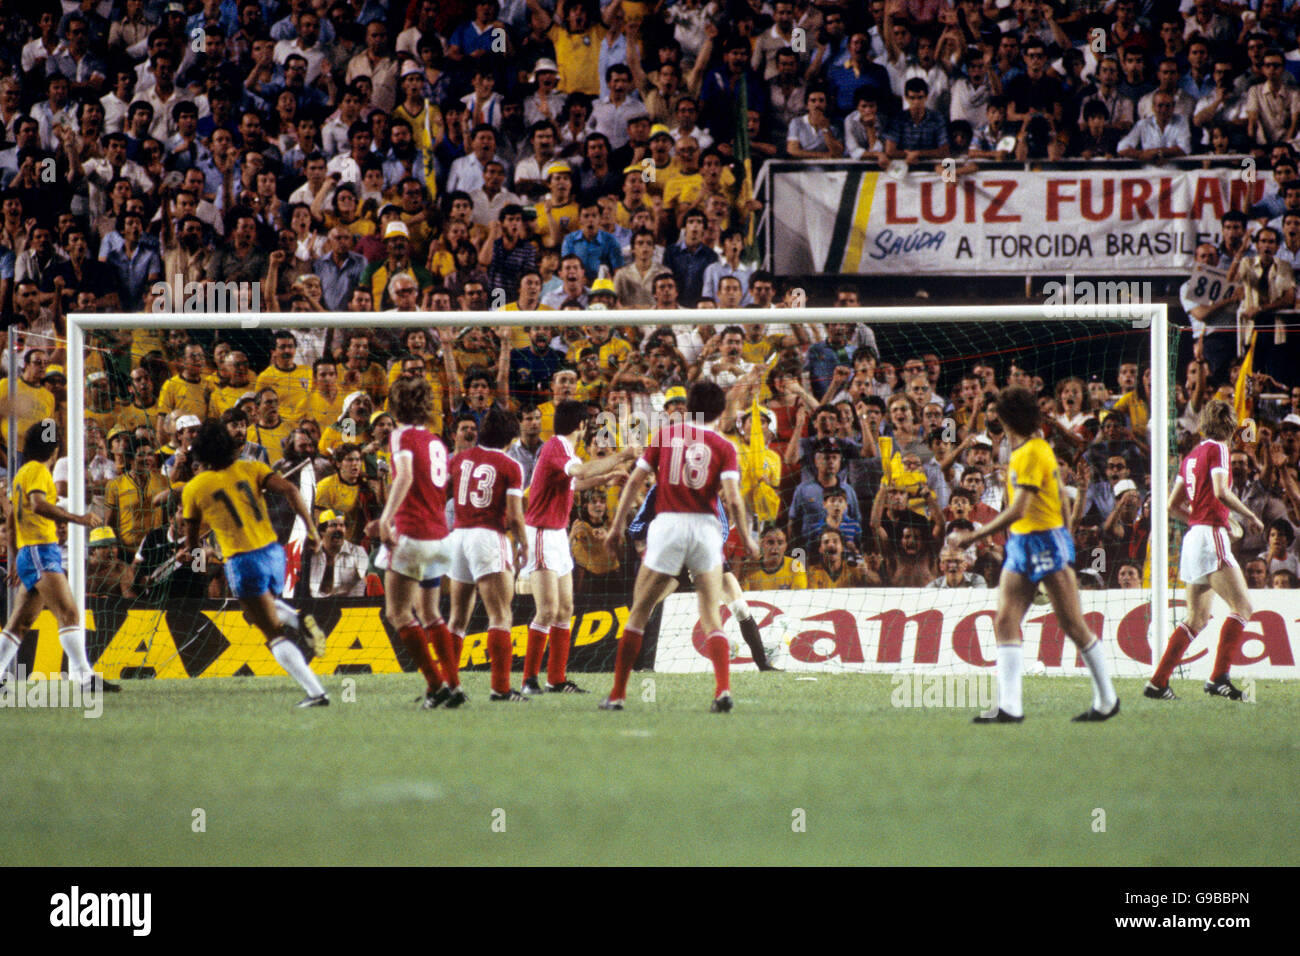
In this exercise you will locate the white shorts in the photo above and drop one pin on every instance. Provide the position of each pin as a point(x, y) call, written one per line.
point(548, 550)
point(676, 540)
point(1205, 550)
point(478, 552)
point(420, 559)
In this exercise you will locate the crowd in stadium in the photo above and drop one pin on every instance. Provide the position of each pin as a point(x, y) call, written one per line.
point(536, 155)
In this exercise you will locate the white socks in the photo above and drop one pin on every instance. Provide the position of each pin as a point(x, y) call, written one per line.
point(1103, 691)
point(8, 651)
point(288, 616)
point(1010, 668)
point(290, 658)
point(740, 608)
point(73, 640)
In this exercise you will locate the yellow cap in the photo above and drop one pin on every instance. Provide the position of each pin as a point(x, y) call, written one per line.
point(100, 536)
point(54, 370)
point(326, 517)
point(603, 285)
point(659, 129)
point(675, 394)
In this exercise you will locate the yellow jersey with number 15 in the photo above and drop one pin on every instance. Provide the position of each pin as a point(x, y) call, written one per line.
point(30, 527)
point(1033, 465)
point(231, 501)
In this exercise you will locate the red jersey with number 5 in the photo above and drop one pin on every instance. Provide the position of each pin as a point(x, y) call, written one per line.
point(550, 493)
point(481, 480)
point(423, 512)
point(689, 462)
point(1196, 471)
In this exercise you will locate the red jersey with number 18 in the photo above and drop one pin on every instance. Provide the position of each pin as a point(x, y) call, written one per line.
point(423, 512)
point(1196, 471)
point(481, 478)
point(689, 462)
point(550, 493)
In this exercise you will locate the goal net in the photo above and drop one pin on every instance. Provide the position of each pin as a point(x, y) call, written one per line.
point(865, 438)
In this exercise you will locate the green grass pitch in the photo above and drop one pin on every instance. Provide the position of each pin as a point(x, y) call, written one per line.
point(554, 781)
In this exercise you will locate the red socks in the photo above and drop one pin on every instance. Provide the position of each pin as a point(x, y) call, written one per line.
point(559, 659)
point(501, 654)
point(719, 651)
point(629, 648)
point(458, 644)
point(441, 640)
point(1229, 637)
point(412, 636)
point(533, 655)
point(1178, 642)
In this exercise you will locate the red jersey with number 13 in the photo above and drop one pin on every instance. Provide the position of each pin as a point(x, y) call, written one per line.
point(423, 512)
point(481, 478)
point(689, 462)
point(550, 493)
point(1197, 472)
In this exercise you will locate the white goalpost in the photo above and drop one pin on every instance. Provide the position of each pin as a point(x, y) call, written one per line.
point(1153, 318)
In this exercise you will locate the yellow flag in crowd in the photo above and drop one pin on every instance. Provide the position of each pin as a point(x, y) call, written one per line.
point(1243, 393)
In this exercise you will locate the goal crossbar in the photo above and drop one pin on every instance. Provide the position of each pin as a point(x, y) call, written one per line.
point(1153, 317)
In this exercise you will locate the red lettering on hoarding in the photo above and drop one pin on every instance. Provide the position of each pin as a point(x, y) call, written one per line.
point(844, 632)
point(1208, 192)
point(1164, 200)
point(1107, 200)
point(1272, 631)
point(1243, 195)
point(763, 613)
point(929, 633)
point(891, 206)
point(1056, 196)
point(1134, 194)
point(968, 193)
point(949, 202)
point(966, 640)
point(1131, 635)
point(1005, 188)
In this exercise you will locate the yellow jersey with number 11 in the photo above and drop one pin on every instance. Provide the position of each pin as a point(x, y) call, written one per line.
point(231, 501)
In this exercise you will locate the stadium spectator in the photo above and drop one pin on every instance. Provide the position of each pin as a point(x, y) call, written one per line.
point(917, 133)
point(774, 570)
point(1159, 136)
point(833, 569)
point(1279, 555)
point(954, 571)
point(339, 568)
point(807, 511)
point(132, 499)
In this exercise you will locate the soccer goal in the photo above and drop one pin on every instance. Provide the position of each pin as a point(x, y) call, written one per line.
point(855, 572)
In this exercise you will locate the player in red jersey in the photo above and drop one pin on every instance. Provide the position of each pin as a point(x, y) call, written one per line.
point(487, 488)
point(413, 528)
point(1202, 498)
point(558, 473)
point(691, 464)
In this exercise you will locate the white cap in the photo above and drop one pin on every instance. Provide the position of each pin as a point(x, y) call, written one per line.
point(359, 393)
point(1124, 485)
point(396, 228)
point(188, 421)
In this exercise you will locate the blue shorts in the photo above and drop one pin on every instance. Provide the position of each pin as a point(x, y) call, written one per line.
point(253, 573)
point(37, 559)
point(1039, 553)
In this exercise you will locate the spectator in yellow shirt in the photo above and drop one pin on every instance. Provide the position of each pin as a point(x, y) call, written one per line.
point(33, 402)
point(291, 381)
point(775, 571)
point(832, 571)
point(357, 371)
point(129, 498)
point(269, 429)
point(342, 492)
point(325, 403)
point(577, 49)
point(186, 392)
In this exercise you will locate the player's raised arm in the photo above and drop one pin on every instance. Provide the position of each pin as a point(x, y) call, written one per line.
point(586, 471)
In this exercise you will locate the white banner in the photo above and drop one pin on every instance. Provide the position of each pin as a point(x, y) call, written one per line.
point(854, 219)
point(915, 630)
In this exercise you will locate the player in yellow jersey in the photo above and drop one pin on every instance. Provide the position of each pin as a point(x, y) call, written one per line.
point(230, 496)
point(1039, 548)
point(34, 534)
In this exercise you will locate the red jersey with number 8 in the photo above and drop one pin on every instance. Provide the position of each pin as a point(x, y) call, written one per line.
point(423, 512)
point(1196, 471)
point(689, 462)
point(481, 478)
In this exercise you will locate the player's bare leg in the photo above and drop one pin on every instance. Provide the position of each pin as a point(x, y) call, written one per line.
point(545, 587)
point(400, 596)
point(24, 614)
point(1199, 598)
point(57, 596)
point(1230, 584)
point(263, 614)
point(710, 590)
point(497, 591)
point(1064, 592)
point(1015, 591)
point(439, 637)
point(651, 587)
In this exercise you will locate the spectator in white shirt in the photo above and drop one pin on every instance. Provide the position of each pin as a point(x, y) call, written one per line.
point(339, 568)
point(466, 173)
point(1157, 137)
